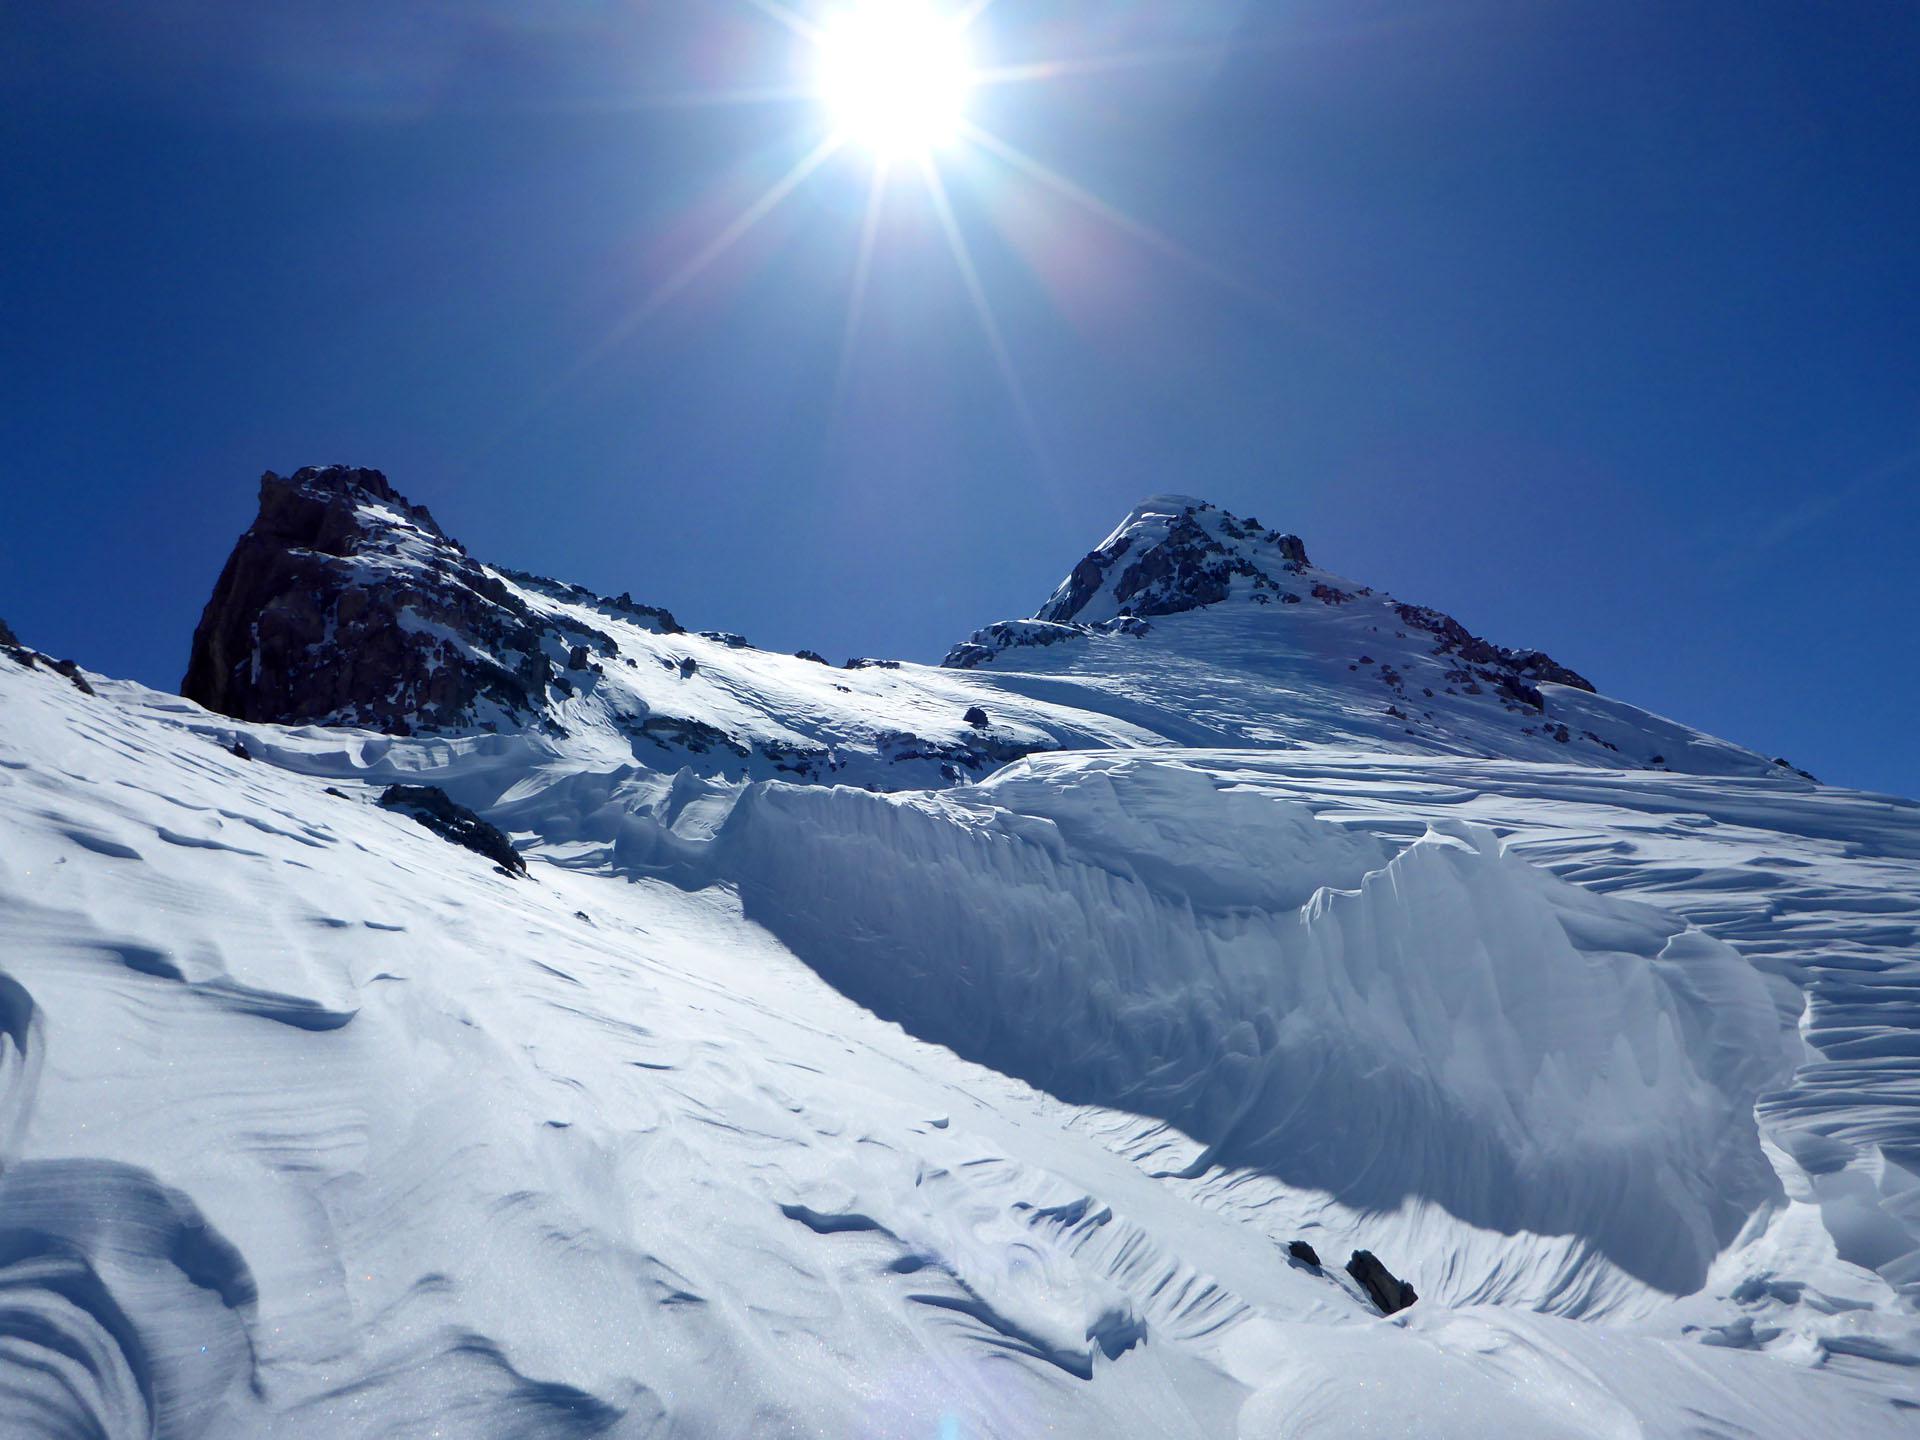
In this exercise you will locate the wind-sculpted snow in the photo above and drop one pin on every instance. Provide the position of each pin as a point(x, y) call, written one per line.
point(1817, 888)
point(316, 1127)
point(1452, 1026)
point(122, 1312)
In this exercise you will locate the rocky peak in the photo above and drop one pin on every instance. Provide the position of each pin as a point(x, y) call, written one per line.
point(345, 604)
point(1175, 553)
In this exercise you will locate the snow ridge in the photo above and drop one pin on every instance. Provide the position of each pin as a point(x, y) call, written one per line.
point(1541, 1040)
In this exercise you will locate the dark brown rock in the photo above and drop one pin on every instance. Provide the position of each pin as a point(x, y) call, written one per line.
point(33, 659)
point(343, 604)
point(1383, 1287)
point(435, 809)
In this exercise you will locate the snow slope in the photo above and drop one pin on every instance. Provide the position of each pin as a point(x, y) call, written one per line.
point(775, 1108)
point(1250, 644)
point(319, 1126)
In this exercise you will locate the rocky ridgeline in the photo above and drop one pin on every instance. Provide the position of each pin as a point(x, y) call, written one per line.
point(1175, 553)
point(345, 604)
point(29, 658)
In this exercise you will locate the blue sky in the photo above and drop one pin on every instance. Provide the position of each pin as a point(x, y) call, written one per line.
point(1595, 324)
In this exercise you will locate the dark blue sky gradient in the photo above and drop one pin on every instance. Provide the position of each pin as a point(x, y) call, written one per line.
point(1594, 323)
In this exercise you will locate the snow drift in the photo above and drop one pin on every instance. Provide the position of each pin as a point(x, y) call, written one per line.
point(1452, 1025)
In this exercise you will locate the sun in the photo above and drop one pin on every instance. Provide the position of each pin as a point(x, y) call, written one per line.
point(896, 80)
point(896, 74)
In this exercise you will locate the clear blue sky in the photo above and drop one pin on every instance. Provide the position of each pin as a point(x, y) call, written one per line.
point(1595, 323)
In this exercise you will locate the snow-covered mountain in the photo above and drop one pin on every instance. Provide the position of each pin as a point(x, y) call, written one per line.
point(344, 604)
point(1209, 630)
point(931, 1051)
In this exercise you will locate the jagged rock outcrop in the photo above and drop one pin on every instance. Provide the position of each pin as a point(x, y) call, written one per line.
point(985, 644)
point(12, 649)
point(344, 604)
point(1453, 638)
point(1174, 553)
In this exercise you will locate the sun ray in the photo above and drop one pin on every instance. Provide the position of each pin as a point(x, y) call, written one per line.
point(982, 309)
point(642, 101)
point(701, 99)
point(735, 231)
point(862, 274)
point(1029, 71)
point(1112, 214)
point(663, 293)
point(791, 19)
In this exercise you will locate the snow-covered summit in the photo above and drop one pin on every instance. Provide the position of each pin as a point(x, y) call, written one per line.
point(1174, 553)
point(1212, 629)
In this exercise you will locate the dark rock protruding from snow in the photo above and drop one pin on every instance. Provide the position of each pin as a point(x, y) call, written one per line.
point(976, 717)
point(1175, 553)
point(32, 659)
point(1386, 1290)
point(433, 808)
point(343, 604)
point(987, 645)
point(1303, 1252)
point(1455, 639)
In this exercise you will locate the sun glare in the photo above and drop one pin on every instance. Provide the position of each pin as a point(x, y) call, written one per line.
point(895, 74)
point(896, 79)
